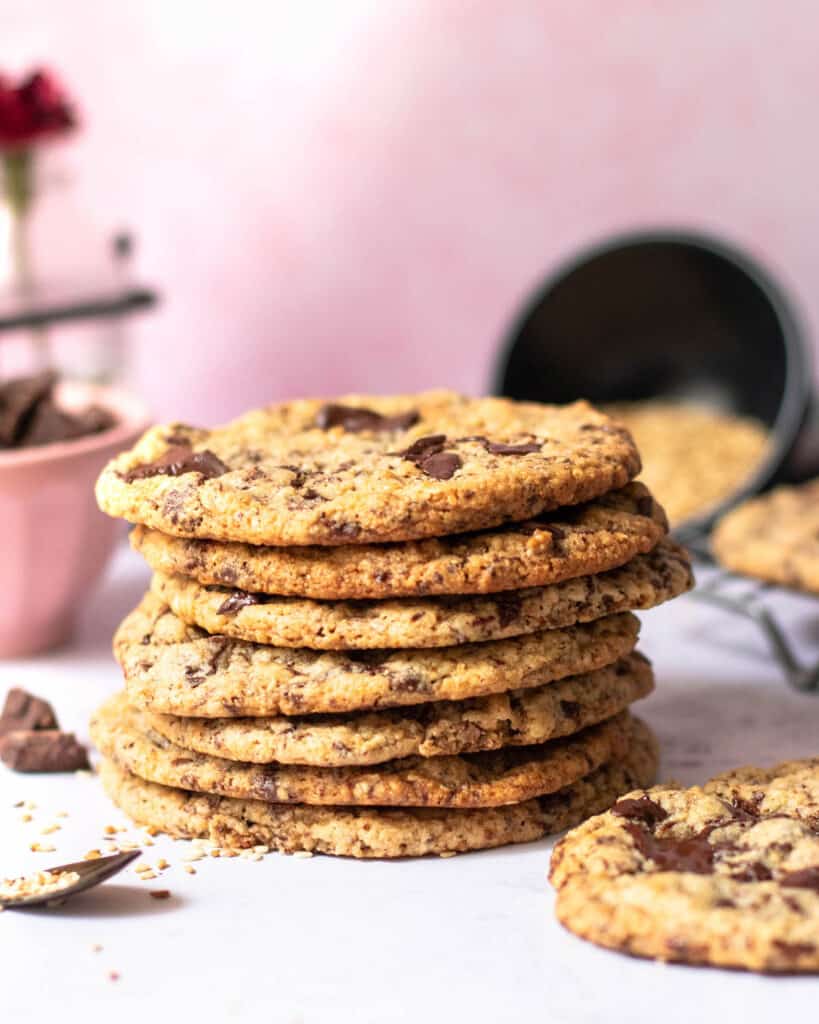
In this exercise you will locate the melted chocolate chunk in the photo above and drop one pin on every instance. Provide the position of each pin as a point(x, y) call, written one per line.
point(423, 447)
point(695, 854)
point(496, 448)
point(354, 420)
point(441, 465)
point(641, 808)
point(23, 710)
point(508, 606)
point(429, 456)
point(42, 750)
point(755, 872)
point(807, 878)
point(179, 459)
point(238, 600)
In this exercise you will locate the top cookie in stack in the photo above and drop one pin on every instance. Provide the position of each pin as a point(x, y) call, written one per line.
point(385, 626)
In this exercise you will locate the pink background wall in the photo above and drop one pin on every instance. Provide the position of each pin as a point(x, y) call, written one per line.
point(357, 195)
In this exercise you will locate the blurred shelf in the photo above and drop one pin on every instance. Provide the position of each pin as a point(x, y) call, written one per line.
point(60, 303)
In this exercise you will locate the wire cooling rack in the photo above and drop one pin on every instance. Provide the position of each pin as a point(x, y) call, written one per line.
point(746, 597)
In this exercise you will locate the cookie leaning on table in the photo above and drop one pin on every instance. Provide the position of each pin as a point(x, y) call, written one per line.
point(369, 832)
point(367, 469)
point(774, 537)
point(174, 668)
point(427, 622)
point(727, 874)
point(576, 540)
point(518, 718)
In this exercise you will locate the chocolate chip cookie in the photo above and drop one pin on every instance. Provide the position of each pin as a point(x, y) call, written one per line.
point(369, 832)
point(572, 541)
point(368, 469)
point(517, 718)
point(173, 668)
point(727, 874)
point(774, 537)
point(644, 582)
point(486, 779)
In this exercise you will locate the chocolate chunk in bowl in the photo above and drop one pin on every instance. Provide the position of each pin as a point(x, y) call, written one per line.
point(47, 506)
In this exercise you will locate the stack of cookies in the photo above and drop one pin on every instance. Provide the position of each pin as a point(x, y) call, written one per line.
point(384, 626)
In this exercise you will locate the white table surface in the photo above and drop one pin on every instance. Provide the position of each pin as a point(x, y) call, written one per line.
point(471, 938)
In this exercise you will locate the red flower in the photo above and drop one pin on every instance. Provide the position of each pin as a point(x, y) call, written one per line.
point(34, 110)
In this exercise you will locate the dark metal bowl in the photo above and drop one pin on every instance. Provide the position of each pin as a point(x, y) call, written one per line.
point(667, 314)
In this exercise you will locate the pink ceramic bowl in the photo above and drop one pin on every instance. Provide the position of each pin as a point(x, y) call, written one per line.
point(54, 541)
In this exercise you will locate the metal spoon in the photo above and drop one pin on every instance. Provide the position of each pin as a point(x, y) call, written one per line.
point(91, 873)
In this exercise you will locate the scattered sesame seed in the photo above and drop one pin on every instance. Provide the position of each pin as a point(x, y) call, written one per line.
point(162, 864)
point(49, 829)
point(25, 818)
point(160, 894)
point(92, 855)
point(191, 870)
point(142, 866)
point(42, 848)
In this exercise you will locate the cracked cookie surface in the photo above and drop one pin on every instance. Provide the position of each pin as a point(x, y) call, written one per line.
point(726, 874)
point(364, 469)
point(518, 718)
point(427, 622)
point(369, 832)
point(174, 668)
point(572, 541)
point(486, 779)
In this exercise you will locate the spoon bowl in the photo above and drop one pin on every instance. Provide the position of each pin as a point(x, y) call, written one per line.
point(91, 872)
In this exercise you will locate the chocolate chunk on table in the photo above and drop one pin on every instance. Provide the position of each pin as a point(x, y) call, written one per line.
point(42, 750)
point(23, 710)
